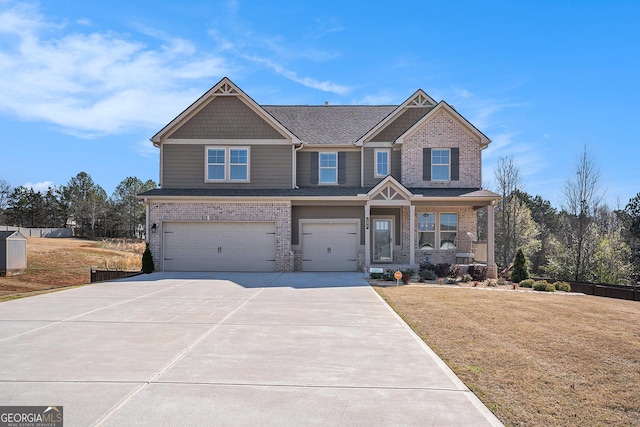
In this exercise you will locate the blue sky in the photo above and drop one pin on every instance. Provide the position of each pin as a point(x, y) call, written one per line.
point(84, 85)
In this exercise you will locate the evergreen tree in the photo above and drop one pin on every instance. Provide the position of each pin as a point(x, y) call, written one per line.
point(147, 261)
point(520, 271)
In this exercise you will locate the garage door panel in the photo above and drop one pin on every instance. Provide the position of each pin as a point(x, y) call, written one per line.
point(222, 246)
point(329, 246)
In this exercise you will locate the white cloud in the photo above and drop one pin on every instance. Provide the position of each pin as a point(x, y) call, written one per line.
point(40, 187)
point(94, 83)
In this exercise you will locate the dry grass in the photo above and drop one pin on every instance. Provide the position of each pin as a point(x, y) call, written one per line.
point(535, 359)
point(56, 263)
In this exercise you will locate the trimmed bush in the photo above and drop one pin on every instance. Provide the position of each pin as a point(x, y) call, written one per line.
point(376, 276)
point(520, 270)
point(477, 272)
point(466, 278)
point(544, 286)
point(527, 283)
point(147, 261)
point(562, 286)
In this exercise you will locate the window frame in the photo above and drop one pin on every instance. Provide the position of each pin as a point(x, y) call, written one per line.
point(437, 230)
point(434, 164)
point(321, 168)
point(375, 162)
point(227, 163)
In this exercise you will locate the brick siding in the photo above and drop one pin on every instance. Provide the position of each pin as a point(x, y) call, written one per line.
point(441, 131)
point(280, 213)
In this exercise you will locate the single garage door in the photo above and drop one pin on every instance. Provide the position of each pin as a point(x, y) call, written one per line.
point(219, 246)
point(329, 246)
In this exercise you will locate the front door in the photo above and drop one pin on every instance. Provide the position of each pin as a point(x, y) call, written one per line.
point(382, 240)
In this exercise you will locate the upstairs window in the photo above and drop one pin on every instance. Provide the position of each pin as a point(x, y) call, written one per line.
point(227, 164)
point(381, 166)
point(328, 168)
point(440, 164)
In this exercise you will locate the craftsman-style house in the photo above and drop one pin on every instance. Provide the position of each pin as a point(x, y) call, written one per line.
point(249, 187)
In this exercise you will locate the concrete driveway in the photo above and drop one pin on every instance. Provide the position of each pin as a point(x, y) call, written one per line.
point(226, 349)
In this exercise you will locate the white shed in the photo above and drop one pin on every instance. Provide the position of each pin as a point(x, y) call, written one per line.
point(13, 253)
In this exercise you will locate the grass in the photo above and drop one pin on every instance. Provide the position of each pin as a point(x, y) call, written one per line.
point(535, 359)
point(58, 263)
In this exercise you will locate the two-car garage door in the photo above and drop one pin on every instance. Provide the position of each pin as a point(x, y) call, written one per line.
point(219, 246)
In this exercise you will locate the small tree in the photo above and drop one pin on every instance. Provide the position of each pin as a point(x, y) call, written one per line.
point(147, 261)
point(520, 270)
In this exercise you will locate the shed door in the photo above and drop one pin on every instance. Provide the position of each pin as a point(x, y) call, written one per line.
point(219, 246)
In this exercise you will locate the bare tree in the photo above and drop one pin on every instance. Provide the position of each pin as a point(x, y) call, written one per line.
point(508, 181)
point(582, 197)
point(5, 191)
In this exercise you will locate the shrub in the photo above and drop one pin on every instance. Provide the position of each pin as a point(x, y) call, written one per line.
point(501, 281)
point(477, 272)
point(544, 286)
point(492, 283)
point(466, 278)
point(408, 272)
point(527, 283)
point(442, 270)
point(454, 271)
point(376, 276)
point(562, 286)
point(147, 261)
point(520, 270)
point(428, 275)
point(426, 271)
point(388, 275)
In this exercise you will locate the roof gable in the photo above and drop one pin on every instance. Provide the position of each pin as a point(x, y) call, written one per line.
point(400, 119)
point(217, 102)
point(443, 106)
point(389, 191)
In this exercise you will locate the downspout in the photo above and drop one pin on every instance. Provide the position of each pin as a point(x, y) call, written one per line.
point(295, 164)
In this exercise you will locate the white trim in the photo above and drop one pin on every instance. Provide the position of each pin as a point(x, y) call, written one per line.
point(199, 141)
point(227, 163)
point(391, 236)
point(224, 87)
point(320, 168)
point(441, 164)
point(375, 162)
point(442, 105)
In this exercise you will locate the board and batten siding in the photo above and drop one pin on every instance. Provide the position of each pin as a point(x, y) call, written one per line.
point(184, 167)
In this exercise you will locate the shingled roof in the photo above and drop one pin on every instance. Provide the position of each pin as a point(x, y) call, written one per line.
point(329, 124)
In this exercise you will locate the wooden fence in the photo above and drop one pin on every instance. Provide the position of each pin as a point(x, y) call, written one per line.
point(102, 275)
point(601, 290)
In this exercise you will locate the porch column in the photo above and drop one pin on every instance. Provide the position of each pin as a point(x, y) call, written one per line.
point(412, 234)
point(491, 252)
point(367, 235)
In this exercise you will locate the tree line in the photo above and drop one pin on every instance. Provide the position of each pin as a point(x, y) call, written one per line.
point(81, 204)
point(584, 240)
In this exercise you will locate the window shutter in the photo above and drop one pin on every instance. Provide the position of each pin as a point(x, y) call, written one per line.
point(342, 167)
point(455, 164)
point(314, 167)
point(426, 164)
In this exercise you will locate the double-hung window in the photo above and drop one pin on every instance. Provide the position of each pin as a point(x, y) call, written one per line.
point(440, 164)
point(437, 232)
point(328, 168)
point(227, 164)
point(381, 165)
